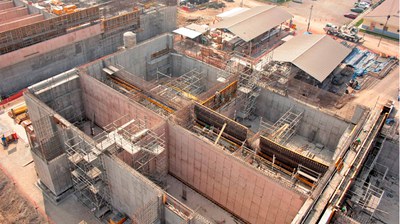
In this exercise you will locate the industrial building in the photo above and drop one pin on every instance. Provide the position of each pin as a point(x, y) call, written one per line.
point(251, 31)
point(316, 55)
point(34, 46)
point(384, 19)
point(143, 130)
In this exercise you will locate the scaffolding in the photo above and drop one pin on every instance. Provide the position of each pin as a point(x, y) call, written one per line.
point(88, 174)
point(190, 84)
point(21, 37)
point(366, 197)
point(282, 130)
point(144, 145)
point(248, 91)
point(126, 83)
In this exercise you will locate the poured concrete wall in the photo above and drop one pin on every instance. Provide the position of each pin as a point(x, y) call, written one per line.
point(38, 65)
point(389, 157)
point(6, 5)
point(108, 105)
point(33, 10)
point(154, 23)
point(35, 68)
point(234, 185)
point(54, 174)
point(172, 218)
point(315, 125)
point(183, 64)
point(134, 60)
point(130, 191)
point(13, 13)
point(63, 94)
point(21, 21)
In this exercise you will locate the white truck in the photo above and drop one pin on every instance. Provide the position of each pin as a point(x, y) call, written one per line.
point(344, 32)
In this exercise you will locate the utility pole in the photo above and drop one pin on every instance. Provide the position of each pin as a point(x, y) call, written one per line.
point(309, 19)
point(383, 30)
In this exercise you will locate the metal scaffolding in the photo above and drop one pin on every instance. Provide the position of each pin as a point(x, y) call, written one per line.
point(282, 130)
point(189, 85)
point(144, 145)
point(88, 174)
point(366, 197)
point(248, 91)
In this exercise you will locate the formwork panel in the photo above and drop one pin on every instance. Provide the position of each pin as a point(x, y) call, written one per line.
point(232, 184)
point(14, 39)
point(289, 157)
point(209, 117)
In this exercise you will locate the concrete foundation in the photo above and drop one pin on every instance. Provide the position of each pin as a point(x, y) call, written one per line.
point(315, 125)
point(232, 184)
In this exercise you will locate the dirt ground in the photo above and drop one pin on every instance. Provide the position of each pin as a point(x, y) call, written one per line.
point(13, 207)
point(323, 12)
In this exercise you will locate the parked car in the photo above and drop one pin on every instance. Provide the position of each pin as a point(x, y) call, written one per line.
point(357, 10)
point(362, 5)
point(350, 15)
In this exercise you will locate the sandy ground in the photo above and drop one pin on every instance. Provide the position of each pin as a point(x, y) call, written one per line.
point(16, 162)
point(13, 207)
point(324, 11)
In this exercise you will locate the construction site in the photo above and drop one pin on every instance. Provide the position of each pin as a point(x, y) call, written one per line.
point(37, 42)
point(127, 119)
point(181, 129)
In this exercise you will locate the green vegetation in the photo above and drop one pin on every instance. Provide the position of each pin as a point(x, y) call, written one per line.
point(359, 22)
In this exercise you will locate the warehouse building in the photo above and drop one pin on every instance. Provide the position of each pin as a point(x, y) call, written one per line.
point(384, 19)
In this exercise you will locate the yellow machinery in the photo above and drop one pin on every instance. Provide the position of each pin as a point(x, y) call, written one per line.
point(118, 219)
point(17, 111)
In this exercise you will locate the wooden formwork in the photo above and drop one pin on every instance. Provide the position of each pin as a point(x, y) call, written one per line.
point(131, 19)
point(14, 39)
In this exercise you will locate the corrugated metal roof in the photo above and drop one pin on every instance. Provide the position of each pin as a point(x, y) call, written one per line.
point(255, 21)
point(198, 28)
point(232, 12)
point(318, 55)
point(187, 32)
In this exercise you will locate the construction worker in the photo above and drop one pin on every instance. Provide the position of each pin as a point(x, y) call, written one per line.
point(4, 141)
point(356, 143)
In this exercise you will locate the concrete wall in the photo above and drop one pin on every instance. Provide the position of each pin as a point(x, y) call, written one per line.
point(37, 67)
point(21, 21)
point(130, 191)
point(13, 13)
point(33, 10)
point(390, 157)
point(154, 23)
point(109, 105)
point(54, 174)
point(134, 60)
point(62, 93)
point(234, 185)
point(172, 218)
point(183, 64)
point(6, 5)
point(315, 125)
